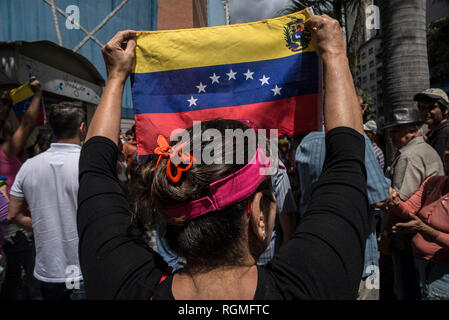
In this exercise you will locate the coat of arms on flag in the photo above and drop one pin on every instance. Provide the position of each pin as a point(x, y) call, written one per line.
point(266, 71)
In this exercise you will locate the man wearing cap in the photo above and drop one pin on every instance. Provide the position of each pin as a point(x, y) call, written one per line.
point(433, 105)
point(413, 162)
point(370, 129)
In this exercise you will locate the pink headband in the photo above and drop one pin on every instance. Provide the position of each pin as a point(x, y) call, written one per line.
point(227, 191)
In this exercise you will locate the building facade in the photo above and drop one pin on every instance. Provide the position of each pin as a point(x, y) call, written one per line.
point(79, 25)
point(181, 14)
point(369, 71)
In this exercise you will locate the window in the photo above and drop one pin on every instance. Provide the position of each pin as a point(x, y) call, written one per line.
point(364, 79)
point(372, 76)
point(371, 64)
point(371, 51)
point(373, 89)
point(363, 55)
point(364, 67)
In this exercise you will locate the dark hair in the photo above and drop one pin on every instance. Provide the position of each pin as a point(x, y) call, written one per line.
point(65, 118)
point(43, 140)
point(129, 133)
point(213, 239)
point(359, 91)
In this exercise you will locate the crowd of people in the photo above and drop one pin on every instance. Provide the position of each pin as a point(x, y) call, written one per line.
point(82, 216)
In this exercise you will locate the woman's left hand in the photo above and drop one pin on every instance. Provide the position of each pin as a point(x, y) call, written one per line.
point(119, 59)
point(415, 224)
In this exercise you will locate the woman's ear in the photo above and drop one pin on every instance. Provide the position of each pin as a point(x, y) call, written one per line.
point(257, 219)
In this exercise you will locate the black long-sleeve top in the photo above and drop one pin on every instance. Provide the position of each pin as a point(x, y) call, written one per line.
point(323, 259)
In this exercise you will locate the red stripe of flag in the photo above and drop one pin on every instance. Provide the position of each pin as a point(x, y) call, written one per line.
point(287, 114)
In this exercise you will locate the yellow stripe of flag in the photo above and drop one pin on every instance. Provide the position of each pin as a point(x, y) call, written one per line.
point(21, 93)
point(201, 47)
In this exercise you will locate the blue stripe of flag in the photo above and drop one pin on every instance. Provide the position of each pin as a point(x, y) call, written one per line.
point(177, 90)
point(21, 107)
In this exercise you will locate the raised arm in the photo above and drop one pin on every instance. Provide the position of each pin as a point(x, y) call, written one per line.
point(13, 147)
point(119, 63)
point(341, 107)
point(115, 260)
point(324, 258)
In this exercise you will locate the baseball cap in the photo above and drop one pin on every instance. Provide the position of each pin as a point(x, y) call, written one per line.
point(435, 94)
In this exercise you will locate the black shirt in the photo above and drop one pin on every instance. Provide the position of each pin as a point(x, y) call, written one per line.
point(439, 138)
point(323, 259)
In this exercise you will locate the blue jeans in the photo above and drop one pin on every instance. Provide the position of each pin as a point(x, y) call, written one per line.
point(434, 279)
point(406, 285)
point(371, 262)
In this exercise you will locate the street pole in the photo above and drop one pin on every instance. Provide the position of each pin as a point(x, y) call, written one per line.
point(226, 7)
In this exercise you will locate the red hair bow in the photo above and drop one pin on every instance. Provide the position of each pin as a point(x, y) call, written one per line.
point(166, 150)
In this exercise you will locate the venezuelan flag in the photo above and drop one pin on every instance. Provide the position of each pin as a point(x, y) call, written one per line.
point(267, 72)
point(21, 98)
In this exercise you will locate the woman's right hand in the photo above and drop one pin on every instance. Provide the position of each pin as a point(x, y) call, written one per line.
point(119, 61)
point(35, 85)
point(327, 36)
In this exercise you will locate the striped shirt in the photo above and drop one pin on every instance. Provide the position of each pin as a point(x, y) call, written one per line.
point(379, 155)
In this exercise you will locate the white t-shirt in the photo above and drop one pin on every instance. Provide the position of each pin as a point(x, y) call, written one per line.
point(49, 184)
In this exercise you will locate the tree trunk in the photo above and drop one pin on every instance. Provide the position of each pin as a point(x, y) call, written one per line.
point(405, 64)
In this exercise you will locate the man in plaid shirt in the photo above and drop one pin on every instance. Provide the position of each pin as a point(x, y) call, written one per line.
point(371, 130)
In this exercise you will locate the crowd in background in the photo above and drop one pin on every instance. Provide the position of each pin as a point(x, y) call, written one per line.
point(407, 244)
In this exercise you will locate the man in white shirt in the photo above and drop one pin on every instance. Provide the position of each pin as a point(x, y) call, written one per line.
point(48, 183)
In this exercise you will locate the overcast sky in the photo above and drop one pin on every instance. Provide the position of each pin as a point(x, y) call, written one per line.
point(242, 11)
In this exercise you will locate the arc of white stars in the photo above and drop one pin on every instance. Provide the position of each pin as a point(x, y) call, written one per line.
point(192, 101)
point(277, 90)
point(249, 75)
point(264, 80)
point(231, 75)
point(201, 87)
point(215, 78)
